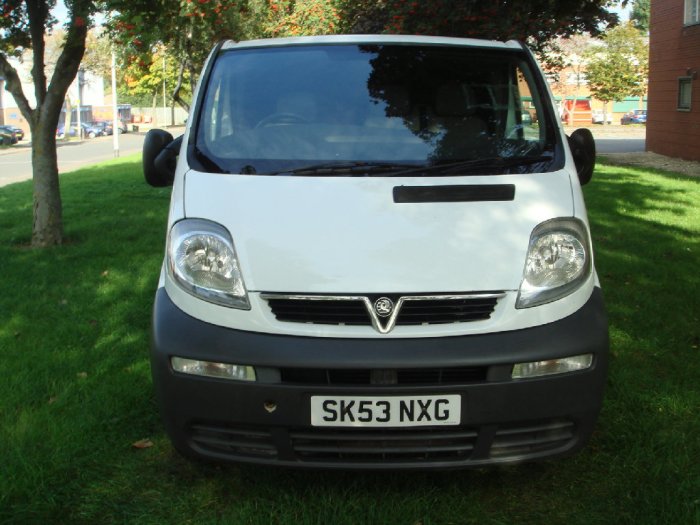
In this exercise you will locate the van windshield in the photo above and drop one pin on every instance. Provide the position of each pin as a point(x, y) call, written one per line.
point(379, 110)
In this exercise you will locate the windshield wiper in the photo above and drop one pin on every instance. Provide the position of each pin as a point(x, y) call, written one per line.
point(470, 166)
point(356, 168)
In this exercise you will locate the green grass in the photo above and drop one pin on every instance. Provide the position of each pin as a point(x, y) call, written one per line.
point(76, 392)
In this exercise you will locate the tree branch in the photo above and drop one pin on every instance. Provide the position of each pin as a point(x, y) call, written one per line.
point(71, 55)
point(178, 87)
point(14, 86)
point(38, 13)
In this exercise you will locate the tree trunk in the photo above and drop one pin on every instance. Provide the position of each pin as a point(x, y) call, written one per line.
point(176, 92)
point(605, 113)
point(47, 229)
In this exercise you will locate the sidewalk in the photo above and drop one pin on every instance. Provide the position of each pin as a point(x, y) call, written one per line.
point(21, 145)
point(648, 159)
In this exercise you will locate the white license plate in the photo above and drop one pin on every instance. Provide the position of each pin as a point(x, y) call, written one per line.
point(385, 411)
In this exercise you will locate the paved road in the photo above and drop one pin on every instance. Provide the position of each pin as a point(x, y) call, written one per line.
point(609, 145)
point(617, 139)
point(16, 162)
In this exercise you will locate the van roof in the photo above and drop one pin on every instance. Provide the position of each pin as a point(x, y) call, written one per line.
point(372, 39)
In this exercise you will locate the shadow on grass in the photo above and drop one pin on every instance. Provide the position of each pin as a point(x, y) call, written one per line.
point(78, 394)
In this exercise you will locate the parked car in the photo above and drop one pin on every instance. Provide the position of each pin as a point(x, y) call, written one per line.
point(107, 125)
point(19, 132)
point(89, 130)
point(104, 125)
point(6, 138)
point(598, 116)
point(351, 281)
point(10, 132)
point(638, 116)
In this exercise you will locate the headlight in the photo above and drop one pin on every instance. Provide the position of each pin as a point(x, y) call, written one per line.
point(558, 261)
point(202, 260)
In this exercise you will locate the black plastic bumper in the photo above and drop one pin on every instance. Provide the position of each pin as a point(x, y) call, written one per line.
point(268, 421)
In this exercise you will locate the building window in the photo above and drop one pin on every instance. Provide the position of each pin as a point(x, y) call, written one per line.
point(685, 89)
point(692, 12)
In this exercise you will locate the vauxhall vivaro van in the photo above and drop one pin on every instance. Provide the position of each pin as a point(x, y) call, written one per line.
point(377, 257)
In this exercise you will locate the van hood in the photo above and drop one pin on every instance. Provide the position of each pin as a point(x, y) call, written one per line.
point(300, 234)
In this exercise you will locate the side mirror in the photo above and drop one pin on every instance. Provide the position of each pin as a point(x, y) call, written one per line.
point(160, 153)
point(582, 147)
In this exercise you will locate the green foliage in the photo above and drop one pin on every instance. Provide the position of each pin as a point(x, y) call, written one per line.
point(300, 17)
point(620, 67)
point(14, 27)
point(187, 29)
point(640, 14)
point(535, 21)
point(140, 82)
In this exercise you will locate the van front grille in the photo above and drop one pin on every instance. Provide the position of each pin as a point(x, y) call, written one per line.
point(362, 310)
point(348, 312)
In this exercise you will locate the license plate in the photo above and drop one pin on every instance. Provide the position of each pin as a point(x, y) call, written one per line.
point(385, 411)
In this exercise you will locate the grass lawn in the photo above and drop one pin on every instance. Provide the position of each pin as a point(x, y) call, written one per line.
point(76, 391)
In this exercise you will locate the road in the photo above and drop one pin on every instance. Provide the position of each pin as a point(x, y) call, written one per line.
point(16, 164)
point(617, 139)
point(609, 145)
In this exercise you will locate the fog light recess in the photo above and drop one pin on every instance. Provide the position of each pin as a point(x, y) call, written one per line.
point(213, 369)
point(552, 366)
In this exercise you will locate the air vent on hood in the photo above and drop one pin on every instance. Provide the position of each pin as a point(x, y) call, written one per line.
point(468, 193)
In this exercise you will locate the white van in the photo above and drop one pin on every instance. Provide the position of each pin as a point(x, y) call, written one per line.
point(378, 257)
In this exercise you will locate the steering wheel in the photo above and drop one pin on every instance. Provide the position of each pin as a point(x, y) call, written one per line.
point(281, 119)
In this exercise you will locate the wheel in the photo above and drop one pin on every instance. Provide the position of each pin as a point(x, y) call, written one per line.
point(281, 119)
point(92, 135)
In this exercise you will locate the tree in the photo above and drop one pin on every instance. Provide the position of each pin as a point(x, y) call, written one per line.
point(619, 67)
point(186, 28)
point(98, 54)
point(640, 15)
point(538, 22)
point(300, 17)
point(144, 81)
point(23, 26)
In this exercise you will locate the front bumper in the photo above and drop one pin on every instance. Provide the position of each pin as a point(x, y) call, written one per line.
point(268, 421)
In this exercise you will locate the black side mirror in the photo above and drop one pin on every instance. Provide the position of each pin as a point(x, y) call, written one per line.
point(160, 153)
point(582, 147)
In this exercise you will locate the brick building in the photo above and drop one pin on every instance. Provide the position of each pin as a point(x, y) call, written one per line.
point(673, 125)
